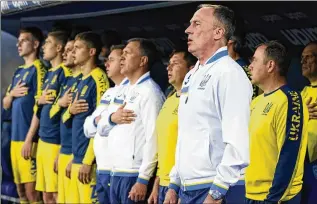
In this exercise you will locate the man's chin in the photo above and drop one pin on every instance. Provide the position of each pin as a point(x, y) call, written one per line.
point(123, 71)
point(305, 72)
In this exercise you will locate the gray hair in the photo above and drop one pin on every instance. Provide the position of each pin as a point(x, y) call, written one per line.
point(147, 48)
point(224, 16)
point(117, 47)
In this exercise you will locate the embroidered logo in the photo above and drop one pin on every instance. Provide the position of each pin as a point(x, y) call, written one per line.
point(267, 108)
point(83, 91)
point(133, 97)
point(119, 99)
point(54, 79)
point(106, 100)
point(73, 87)
point(204, 82)
point(175, 111)
point(25, 75)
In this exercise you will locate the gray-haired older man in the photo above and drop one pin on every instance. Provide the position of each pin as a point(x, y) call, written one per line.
point(213, 141)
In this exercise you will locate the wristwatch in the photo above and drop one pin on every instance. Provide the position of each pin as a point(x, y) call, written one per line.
point(216, 195)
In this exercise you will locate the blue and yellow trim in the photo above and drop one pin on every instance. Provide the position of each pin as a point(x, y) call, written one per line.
point(196, 185)
point(287, 160)
point(142, 180)
point(124, 173)
point(118, 101)
point(104, 172)
point(102, 82)
point(105, 102)
point(218, 187)
point(174, 186)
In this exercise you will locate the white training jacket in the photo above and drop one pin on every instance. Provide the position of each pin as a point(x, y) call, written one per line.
point(213, 119)
point(101, 149)
point(133, 147)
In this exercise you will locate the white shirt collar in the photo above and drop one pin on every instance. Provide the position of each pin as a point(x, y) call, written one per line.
point(219, 50)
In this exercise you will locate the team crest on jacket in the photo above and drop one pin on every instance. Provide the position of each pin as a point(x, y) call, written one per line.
point(175, 111)
point(204, 82)
point(25, 75)
point(73, 87)
point(83, 91)
point(267, 108)
point(54, 79)
point(133, 97)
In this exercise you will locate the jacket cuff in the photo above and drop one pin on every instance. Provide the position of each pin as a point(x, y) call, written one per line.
point(174, 186)
point(220, 186)
point(143, 179)
point(94, 122)
point(110, 122)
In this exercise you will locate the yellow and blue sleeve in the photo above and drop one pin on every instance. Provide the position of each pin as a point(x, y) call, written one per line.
point(102, 83)
point(89, 156)
point(40, 74)
point(8, 89)
point(288, 124)
point(55, 107)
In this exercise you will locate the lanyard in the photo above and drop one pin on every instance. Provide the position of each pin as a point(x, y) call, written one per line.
point(211, 60)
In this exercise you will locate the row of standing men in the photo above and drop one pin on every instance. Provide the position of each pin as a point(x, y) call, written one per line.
point(130, 128)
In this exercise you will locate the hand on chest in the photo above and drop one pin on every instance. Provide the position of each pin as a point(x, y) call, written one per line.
point(84, 92)
point(51, 82)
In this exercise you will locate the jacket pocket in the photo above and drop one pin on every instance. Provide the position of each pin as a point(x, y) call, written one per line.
point(196, 151)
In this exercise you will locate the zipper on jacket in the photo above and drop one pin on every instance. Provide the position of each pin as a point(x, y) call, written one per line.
point(133, 156)
point(179, 161)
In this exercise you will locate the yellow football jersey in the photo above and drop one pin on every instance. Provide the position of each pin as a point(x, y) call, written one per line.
point(278, 139)
point(166, 128)
point(311, 91)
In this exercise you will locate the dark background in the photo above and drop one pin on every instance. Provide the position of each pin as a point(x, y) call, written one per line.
point(292, 23)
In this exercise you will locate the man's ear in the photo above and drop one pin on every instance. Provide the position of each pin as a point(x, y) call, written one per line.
point(271, 66)
point(144, 61)
point(219, 33)
point(92, 51)
point(59, 48)
point(36, 44)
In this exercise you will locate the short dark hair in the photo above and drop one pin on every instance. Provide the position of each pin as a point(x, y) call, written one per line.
point(60, 36)
point(277, 52)
point(225, 16)
point(76, 30)
point(92, 40)
point(36, 34)
point(117, 47)
point(188, 57)
point(147, 48)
